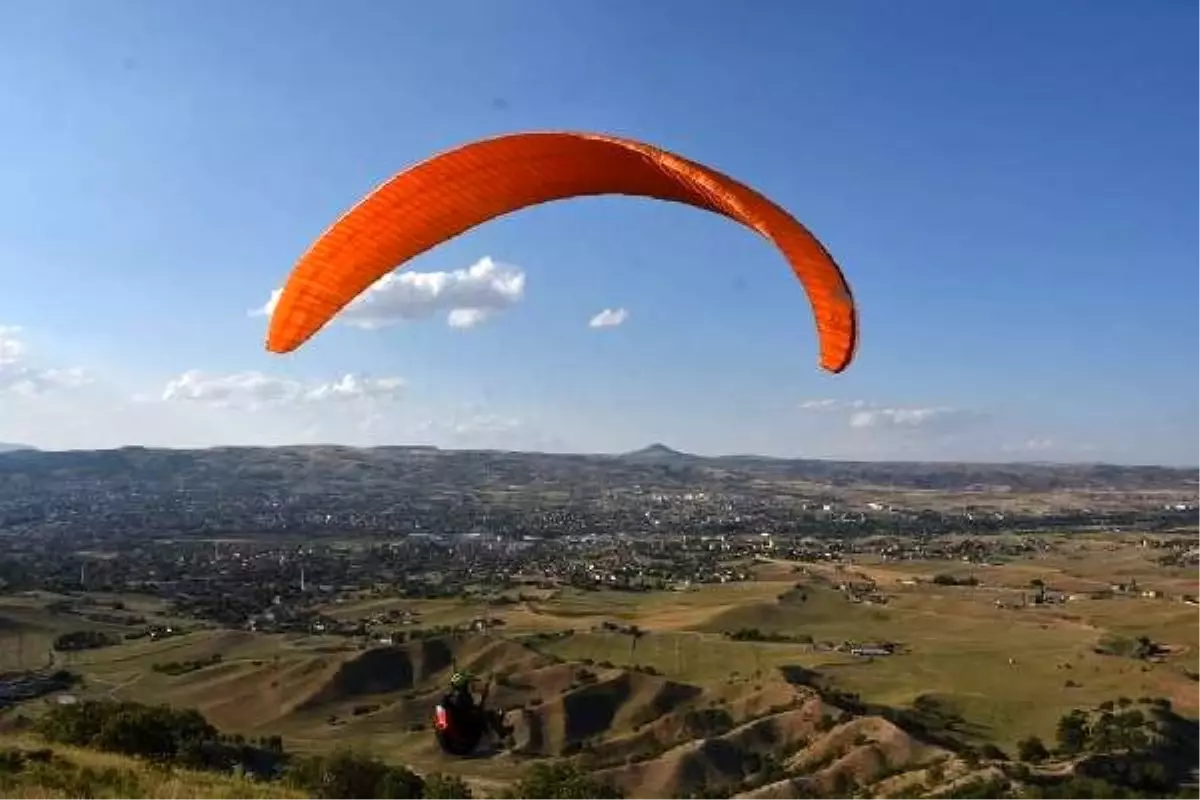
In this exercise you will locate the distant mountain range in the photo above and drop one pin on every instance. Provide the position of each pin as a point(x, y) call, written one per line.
point(9, 447)
point(329, 467)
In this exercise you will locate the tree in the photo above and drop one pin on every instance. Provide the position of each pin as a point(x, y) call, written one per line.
point(439, 786)
point(1104, 733)
point(1072, 733)
point(561, 781)
point(400, 782)
point(346, 774)
point(979, 787)
point(992, 753)
point(1032, 750)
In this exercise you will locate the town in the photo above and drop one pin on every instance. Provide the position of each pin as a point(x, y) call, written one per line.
point(218, 580)
point(133, 494)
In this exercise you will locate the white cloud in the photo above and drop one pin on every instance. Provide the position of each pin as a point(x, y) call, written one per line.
point(12, 348)
point(901, 417)
point(473, 427)
point(352, 387)
point(828, 404)
point(821, 405)
point(609, 318)
point(1033, 445)
point(467, 296)
point(460, 426)
point(487, 424)
point(466, 317)
point(19, 376)
point(252, 390)
point(865, 414)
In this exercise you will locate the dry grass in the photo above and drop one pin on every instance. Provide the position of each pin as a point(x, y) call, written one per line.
point(76, 772)
point(178, 785)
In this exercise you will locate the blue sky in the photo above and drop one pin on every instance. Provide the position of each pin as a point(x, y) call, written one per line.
point(1009, 187)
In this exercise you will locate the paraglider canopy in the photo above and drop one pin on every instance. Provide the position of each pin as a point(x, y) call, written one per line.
point(450, 193)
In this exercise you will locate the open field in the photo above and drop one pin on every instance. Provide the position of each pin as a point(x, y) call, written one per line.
point(627, 672)
point(1004, 670)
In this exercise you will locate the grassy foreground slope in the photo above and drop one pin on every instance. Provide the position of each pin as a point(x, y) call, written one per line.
point(31, 768)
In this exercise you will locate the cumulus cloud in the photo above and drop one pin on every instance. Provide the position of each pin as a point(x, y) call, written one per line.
point(829, 404)
point(609, 318)
point(1033, 445)
point(467, 317)
point(19, 376)
point(1064, 447)
point(865, 414)
point(468, 296)
point(487, 424)
point(471, 425)
point(353, 387)
point(902, 417)
point(12, 348)
point(485, 429)
point(252, 390)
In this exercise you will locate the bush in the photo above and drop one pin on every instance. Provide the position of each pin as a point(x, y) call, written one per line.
point(184, 667)
point(129, 728)
point(981, 788)
point(561, 780)
point(84, 640)
point(1140, 647)
point(993, 753)
point(1032, 750)
point(943, 579)
point(160, 733)
point(446, 787)
point(347, 774)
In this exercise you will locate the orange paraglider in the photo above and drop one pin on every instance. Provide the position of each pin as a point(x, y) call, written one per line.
point(450, 193)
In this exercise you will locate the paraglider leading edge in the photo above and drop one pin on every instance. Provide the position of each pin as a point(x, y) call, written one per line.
point(446, 195)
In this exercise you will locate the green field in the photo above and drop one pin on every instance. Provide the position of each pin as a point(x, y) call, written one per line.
point(1007, 672)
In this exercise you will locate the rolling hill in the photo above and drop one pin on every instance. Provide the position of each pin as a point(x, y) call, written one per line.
point(312, 469)
point(647, 734)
